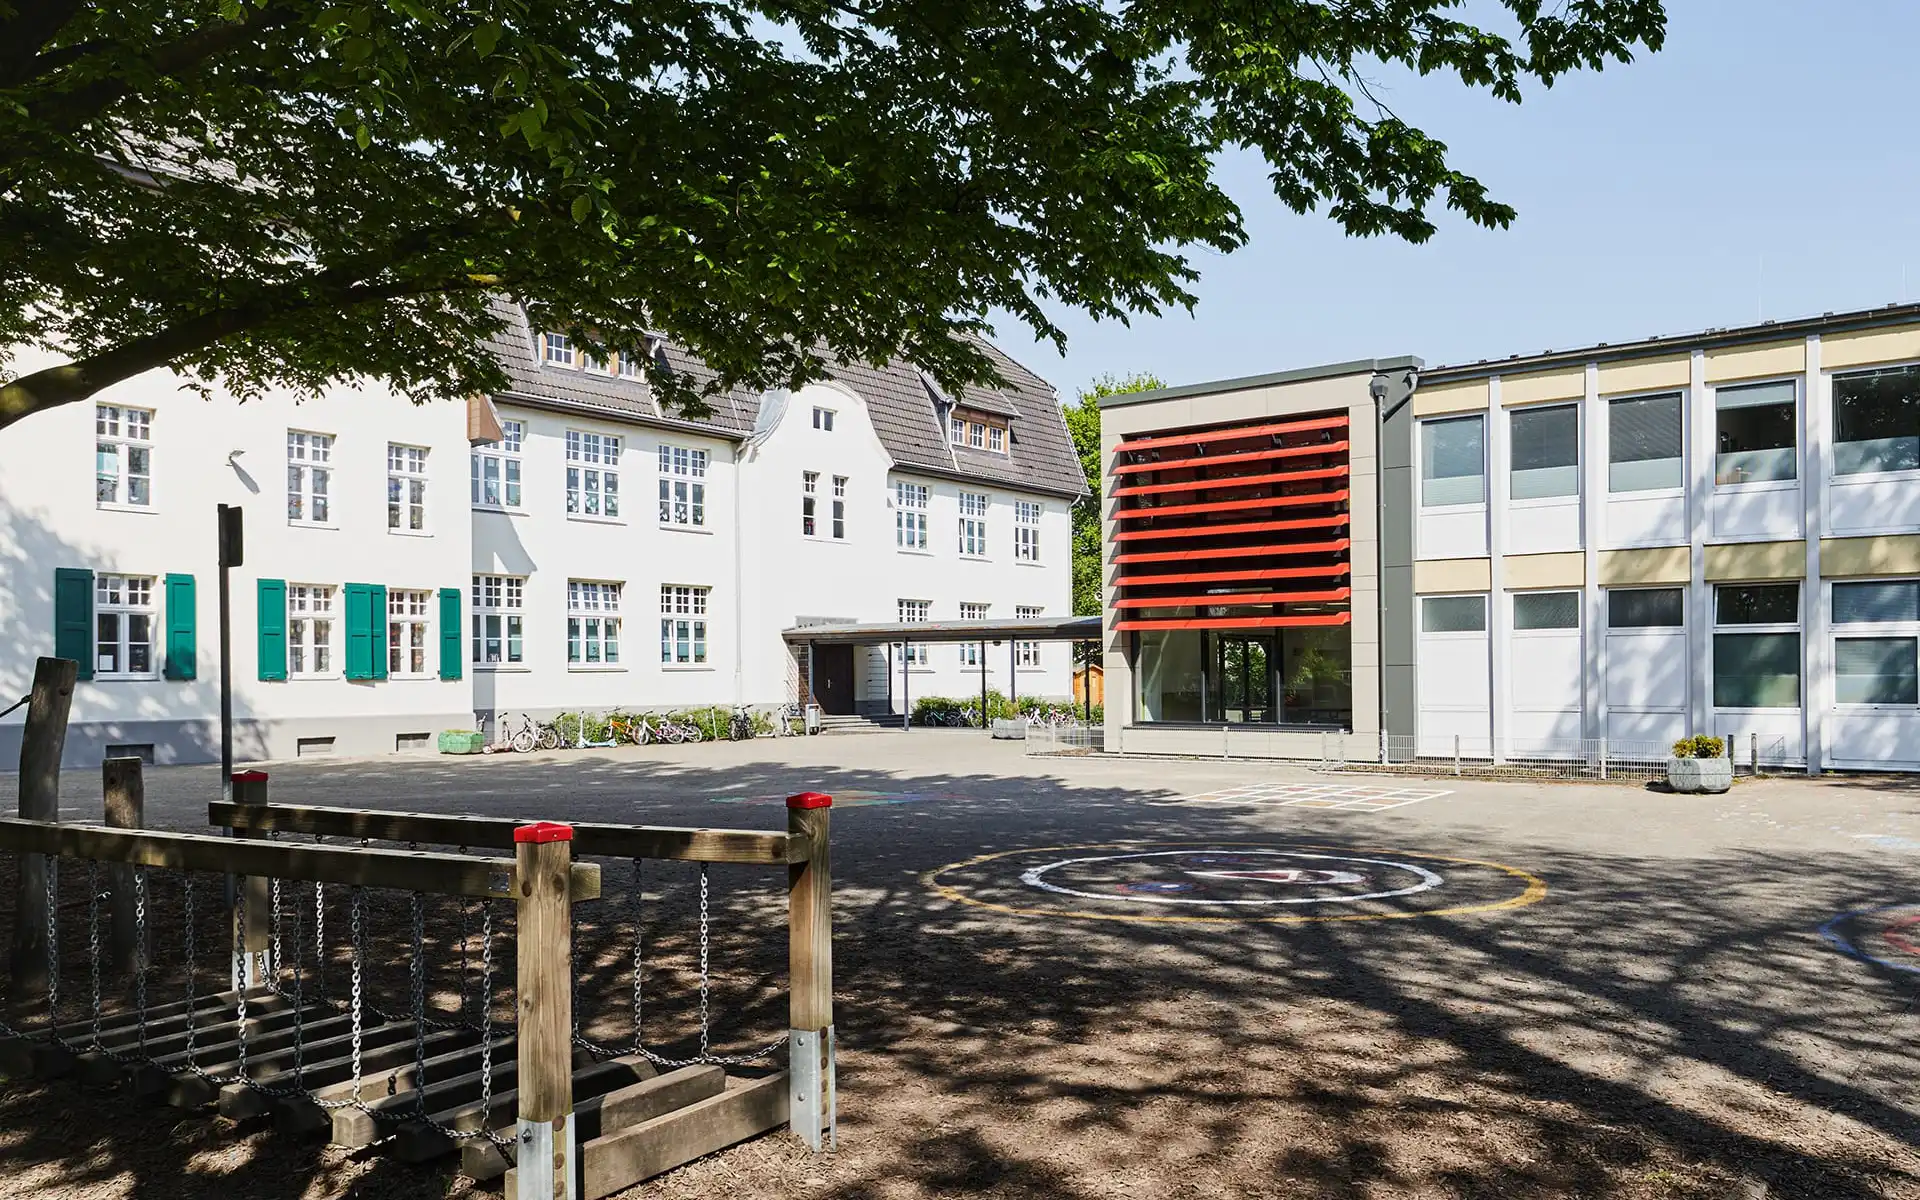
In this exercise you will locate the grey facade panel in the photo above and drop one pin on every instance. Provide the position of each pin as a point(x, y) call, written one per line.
point(1399, 704)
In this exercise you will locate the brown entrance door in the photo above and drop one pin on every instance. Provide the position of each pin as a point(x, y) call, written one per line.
point(833, 679)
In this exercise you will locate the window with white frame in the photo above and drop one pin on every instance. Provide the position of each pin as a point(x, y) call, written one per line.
point(496, 469)
point(631, 366)
point(1644, 443)
point(406, 487)
point(1027, 654)
point(593, 474)
point(970, 651)
point(1453, 461)
point(809, 498)
point(1026, 530)
point(913, 612)
point(408, 636)
point(973, 524)
point(1453, 614)
point(124, 616)
point(1756, 645)
point(556, 349)
point(823, 419)
point(1876, 421)
point(1646, 608)
point(683, 625)
point(683, 486)
point(1756, 432)
point(309, 477)
point(499, 608)
point(1876, 643)
point(910, 515)
point(309, 629)
point(1546, 610)
point(957, 429)
point(123, 455)
point(840, 506)
point(996, 439)
point(593, 623)
point(1545, 452)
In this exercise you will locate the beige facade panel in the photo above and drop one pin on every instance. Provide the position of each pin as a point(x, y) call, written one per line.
point(1339, 393)
point(1891, 555)
point(1658, 564)
point(1869, 346)
point(1438, 575)
point(1545, 385)
point(1645, 375)
point(1526, 571)
point(1469, 395)
point(1757, 560)
point(1756, 362)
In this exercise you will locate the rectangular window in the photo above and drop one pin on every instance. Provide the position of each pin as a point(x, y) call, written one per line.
point(1546, 452)
point(1757, 604)
point(593, 623)
point(1643, 446)
point(976, 435)
point(1876, 670)
point(309, 477)
point(631, 366)
point(593, 474)
point(1026, 530)
point(406, 487)
point(996, 439)
point(683, 625)
point(809, 497)
point(1453, 461)
point(1876, 421)
point(956, 430)
point(1646, 608)
point(970, 651)
point(499, 606)
point(407, 633)
point(124, 616)
point(496, 469)
point(913, 612)
point(557, 349)
point(1893, 603)
point(823, 419)
point(1027, 654)
point(1755, 433)
point(910, 515)
point(683, 486)
point(123, 455)
point(1546, 610)
point(1756, 670)
point(840, 506)
point(1453, 614)
point(973, 524)
point(309, 629)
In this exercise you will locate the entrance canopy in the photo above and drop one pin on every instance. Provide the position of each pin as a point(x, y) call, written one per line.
point(873, 633)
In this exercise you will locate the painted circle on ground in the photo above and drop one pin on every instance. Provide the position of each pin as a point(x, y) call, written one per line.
point(1887, 937)
point(1255, 882)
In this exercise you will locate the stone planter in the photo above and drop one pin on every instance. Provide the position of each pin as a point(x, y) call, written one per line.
point(1009, 731)
point(1700, 775)
point(461, 741)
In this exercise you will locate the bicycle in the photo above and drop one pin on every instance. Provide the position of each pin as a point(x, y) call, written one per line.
point(740, 726)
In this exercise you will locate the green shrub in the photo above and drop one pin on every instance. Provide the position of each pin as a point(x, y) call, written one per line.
point(1700, 745)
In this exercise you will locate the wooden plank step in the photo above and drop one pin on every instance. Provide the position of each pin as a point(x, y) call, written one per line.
point(213, 1044)
point(619, 1160)
point(445, 1089)
point(20, 1056)
point(266, 1055)
point(325, 1060)
point(596, 1116)
point(420, 1141)
point(333, 1081)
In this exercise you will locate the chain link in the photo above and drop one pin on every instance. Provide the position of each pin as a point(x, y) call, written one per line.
point(419, 1003)
point(140, 951)
point(53, 950)
point(93, 949)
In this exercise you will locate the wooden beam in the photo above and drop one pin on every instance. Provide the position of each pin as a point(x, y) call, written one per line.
point(42, 742)
point(595, 1116)
point(421, 1141)
point(124, 791)
point(810, 970)
point(544, 955)
point(744, 847)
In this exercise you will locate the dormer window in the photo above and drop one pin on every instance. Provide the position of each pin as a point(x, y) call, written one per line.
point(631, 367)
point(823, 419)
point(977, 431)
point(556, 349)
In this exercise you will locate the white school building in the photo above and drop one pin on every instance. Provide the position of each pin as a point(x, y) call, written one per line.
point(564, 545)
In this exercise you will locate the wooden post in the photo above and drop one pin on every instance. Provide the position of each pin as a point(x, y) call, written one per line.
point(543, 854)
point(42, 743)
point(812, 1097)
point(125, 793)
point(252, 945)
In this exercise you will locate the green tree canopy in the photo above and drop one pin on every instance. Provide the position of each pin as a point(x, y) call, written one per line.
point(269, 193)
point(1083, 422)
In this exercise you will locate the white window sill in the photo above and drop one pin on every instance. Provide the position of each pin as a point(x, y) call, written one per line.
point(501, 668)
point(596, 668)
point(502, 509)
point(1032, 670)
point(1028, 562)
point(122, 677)
point(1668, 493)
point(671, 527)
point(107, 506)
point(976, 557)
point(1758, 485)
point(413, 533)
point(916, 553)
point(686, 667)
point(397, 677)
point(1909, 709)
point(327, 526)
point(1836, 479)
point(592, 519)
point(311, 677)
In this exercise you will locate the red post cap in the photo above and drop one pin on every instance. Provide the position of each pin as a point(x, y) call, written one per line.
point(249, 776)
point(544, 831)
point(810, 800)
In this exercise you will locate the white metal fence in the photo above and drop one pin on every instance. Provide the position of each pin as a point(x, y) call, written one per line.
point(1073, 738)
point(1598, 759)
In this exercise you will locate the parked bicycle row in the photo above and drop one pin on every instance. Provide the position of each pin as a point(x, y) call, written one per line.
point(966, 713)
point(523, 733)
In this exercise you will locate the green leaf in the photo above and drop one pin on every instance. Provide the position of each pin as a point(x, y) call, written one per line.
point(486, 37)
point(362, 138)
point(582, 207)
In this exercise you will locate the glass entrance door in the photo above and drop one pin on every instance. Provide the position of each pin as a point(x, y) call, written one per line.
point(1243, 674)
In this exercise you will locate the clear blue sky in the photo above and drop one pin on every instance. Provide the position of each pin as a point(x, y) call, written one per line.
point(1764, 164)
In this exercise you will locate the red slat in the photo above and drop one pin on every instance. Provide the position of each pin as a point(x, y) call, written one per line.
point(1231, 481)
point(1233, 599)
point(1134, 535)
point(1244, 504)
point(1334, 546)
point(1343, 618)
point(1328, 571)
point(1232, 435)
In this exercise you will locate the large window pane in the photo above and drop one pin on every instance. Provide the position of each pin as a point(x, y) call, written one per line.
point(1876, 421)
point(1876, 671)
point(1646, 608)
point(1168, 667)
point(1757, 604)
point(1756, 670)
point(1875, 603)
point(1316, 676)
point(1546, 610)
point(1755, 432)
point(1643, 444)
point(1453, 614)
point(1546, 452)
point(1453, 456)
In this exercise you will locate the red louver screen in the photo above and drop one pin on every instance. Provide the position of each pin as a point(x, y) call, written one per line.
point(1237, 527)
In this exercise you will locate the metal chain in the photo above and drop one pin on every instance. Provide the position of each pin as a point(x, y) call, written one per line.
point(93, 947)
point(636, 899)
point(246, 970)
point(705, 977)
point(140, 951)
point(358, 907)
point(186, 904)
point(419, 1003)
point(320, 939)
point(706, 1055)
point(53, 950)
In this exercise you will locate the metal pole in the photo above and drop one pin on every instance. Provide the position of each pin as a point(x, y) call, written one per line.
point(906, 696)
point(986, 718)
point(1013, 675)
point(1086, 683)
point(1456, 754)
point(1753, 753)
point(228, 542)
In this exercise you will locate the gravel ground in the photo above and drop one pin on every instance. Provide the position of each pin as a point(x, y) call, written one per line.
point(1622, 994)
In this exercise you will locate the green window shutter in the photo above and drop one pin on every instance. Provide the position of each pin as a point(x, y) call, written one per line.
point(183, 640)
point(73, 617)
point(272, 622)
point(450, 621)
point(359, 632)
point(377, 612)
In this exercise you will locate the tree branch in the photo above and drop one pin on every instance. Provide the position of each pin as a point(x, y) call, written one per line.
point(31, 26)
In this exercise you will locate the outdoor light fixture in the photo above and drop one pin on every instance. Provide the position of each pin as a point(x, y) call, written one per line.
point(233, 454)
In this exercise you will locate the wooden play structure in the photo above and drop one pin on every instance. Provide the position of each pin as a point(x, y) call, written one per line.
point(299, 1028)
